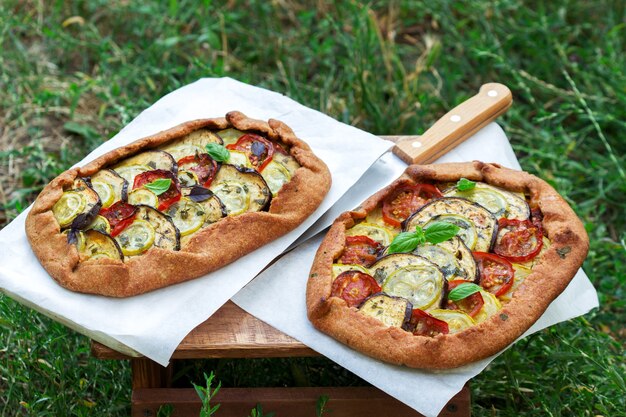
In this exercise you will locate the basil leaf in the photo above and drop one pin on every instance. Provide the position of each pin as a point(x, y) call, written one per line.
point(440, 232)
point(463, 290)
point(218, 152)
point(465, 185)
point(199, 194)
point(407, 241)
point(159, 186)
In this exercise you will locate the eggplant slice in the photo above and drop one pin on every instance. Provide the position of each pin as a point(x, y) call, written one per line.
point(110, 187)
point(77, 206)
point(453, 257)
point(412, 277)
point(150, 228)
point(240, 189)
point(145, 161)
point(98, 245)
point(392, 311)
point(477, 225)
point(501, 203)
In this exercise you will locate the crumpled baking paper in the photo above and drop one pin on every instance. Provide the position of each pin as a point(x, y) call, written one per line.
point(153, 324)
point(284, 284)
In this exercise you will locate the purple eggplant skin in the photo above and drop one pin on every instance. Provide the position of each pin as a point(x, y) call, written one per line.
point(397, 307)
point(92, 207)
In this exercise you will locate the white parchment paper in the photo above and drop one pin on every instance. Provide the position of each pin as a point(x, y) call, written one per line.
point(284, 284)
point(153, 324)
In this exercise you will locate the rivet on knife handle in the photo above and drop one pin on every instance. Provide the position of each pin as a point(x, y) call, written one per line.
point(460, 123)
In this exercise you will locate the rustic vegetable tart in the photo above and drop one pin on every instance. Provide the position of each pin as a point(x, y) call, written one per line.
point(176, 205)
point(447, 265)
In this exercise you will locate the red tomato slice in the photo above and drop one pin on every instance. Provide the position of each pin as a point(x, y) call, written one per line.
point(423, 324)
point(170, 196)
point(406, 200)
point(536, 218)
point(202, 165)
point(258, 149)
point(360, 250)
point(354, 287)
point(496, 273)
point(470, 305)
point(119, 216)
point(518, 240)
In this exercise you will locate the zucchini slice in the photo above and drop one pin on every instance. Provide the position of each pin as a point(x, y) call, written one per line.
point(457, 320)
point(340, 268)
point(150, 228)
point(230, 136)
point(145, 161)
point(500, 202)
point(110, 187)
point(101, 224)
point(412, 277)
point(380, 234)
point(453, 258)
point(477, 225)
point(239, 159)
point(187, 215)
point(78, 206)
point(288, 161)
point(392, 311)
point(98, 245)
point(143, 196)
point(491, 307)
point(240, 189)
point(275, 175)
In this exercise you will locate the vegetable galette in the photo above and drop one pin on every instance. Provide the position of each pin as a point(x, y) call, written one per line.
point(447, 265)
point(176, 205)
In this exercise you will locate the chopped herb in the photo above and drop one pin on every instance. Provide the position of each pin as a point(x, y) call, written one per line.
point(563, 251)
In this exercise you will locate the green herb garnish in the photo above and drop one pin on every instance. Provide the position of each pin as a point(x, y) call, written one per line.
point(462, 291)
point(435, 233)
point(465, 185)
point(218, 152)
point(159, 186)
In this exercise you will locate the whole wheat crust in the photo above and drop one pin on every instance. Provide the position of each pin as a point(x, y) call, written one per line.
point(210, 249)
point(569, 246)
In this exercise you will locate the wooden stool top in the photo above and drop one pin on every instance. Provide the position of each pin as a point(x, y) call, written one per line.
point(229, 333)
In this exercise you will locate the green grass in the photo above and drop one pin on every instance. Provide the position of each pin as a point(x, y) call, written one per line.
point(388, 68)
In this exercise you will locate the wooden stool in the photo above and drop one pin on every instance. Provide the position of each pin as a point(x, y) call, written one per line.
point(233, 333)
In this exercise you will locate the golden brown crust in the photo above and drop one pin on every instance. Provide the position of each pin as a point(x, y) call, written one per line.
point(208, 250)
point(569, 245)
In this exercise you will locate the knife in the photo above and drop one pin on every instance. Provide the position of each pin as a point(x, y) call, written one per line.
point(456, 126)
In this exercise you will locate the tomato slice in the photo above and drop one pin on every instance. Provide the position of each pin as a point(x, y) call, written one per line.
point(120, 215)
point(470, 305)
point(360, 250)
point(167, 198)
point(258, 149)
point(536, 218)
point(202, 165)
point(354, 287)
point(518, 240)
point(406, 200)
point(423, 324)
point(496, 273)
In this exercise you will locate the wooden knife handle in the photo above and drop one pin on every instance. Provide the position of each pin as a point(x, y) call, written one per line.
point(460, 123)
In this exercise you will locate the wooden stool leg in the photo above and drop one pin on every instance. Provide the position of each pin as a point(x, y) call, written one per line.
point(149, 374)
